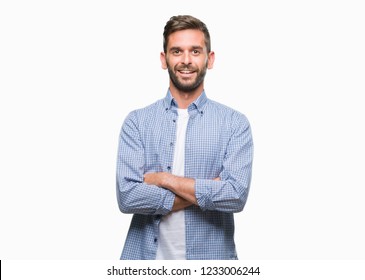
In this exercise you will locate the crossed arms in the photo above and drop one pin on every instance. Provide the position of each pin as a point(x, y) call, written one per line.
point(159, 193)
point(183, 188)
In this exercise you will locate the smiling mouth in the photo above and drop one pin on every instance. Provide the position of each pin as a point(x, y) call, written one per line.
point(185, 72)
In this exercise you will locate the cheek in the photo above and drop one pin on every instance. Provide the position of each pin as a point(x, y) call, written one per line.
point(170, 63)
point(202, 62)
point(201, 65)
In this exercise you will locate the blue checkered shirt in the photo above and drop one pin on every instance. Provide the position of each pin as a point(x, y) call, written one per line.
point(218, 144)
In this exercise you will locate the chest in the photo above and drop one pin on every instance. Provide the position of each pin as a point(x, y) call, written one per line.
point(205, 142)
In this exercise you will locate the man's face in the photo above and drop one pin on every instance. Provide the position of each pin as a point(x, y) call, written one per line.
point(186, 59)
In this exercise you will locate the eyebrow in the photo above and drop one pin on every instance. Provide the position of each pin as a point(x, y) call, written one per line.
point(174, 49)
point(192, 47)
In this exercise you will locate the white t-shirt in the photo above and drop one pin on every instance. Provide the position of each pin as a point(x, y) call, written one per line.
point(171, 241)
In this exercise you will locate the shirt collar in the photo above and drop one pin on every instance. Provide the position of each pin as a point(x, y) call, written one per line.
point(198, 104)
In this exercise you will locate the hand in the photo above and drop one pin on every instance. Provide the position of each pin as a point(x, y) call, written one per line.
point(180, 203)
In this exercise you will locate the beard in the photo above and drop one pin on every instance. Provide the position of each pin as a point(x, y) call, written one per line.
point(186, 86)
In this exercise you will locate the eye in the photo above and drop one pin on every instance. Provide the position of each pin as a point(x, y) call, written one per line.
point(176, 52)
point(196, 52)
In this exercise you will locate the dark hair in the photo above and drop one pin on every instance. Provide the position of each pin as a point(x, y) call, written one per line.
point(183, 22)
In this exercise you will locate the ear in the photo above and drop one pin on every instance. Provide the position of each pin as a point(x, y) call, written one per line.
point(211, 58)
point(163, 60)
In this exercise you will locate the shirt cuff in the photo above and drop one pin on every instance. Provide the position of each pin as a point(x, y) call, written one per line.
point(167, 202)
point(203, 193)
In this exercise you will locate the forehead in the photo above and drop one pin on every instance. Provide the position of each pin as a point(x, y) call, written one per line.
point(186, 38)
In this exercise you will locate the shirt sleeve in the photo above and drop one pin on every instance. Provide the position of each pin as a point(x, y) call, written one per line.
point(230, 193)
point(133, 195)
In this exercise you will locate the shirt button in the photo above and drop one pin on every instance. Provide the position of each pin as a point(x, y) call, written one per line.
point(155, 240)
point(168, 167)
point(171, 144)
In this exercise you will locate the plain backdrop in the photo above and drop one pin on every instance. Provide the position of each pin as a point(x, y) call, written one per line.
point(70, 72)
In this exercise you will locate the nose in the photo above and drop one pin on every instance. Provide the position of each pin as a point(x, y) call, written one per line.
point(186, 58)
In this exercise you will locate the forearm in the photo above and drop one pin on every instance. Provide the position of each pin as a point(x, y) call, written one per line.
point(181, 186)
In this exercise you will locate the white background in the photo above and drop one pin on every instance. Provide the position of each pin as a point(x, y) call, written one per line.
point(70, 71)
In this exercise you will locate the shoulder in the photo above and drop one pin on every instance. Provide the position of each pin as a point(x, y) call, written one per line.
point(232, 115)
point(146, 112)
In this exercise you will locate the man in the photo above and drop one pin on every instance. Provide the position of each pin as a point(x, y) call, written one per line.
point(184, 162)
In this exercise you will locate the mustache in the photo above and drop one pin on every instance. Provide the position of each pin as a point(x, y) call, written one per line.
point(185, 68)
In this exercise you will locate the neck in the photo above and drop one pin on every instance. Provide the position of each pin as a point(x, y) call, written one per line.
point(184, 99)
